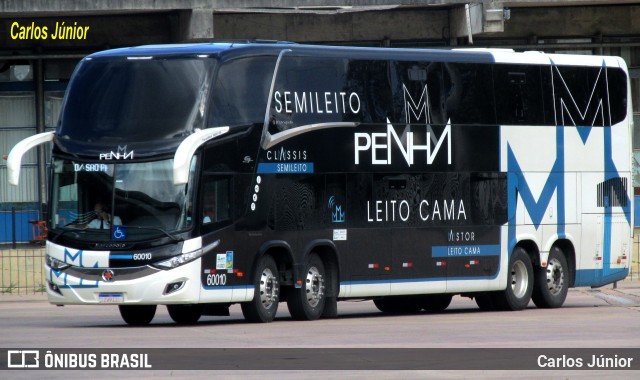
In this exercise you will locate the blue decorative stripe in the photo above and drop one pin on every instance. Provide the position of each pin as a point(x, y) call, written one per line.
point(594, 277)
point(121, 257)
point(223, 287)
point(78, 286)
point(416, 280)
point(285, 167)
point(466, 250)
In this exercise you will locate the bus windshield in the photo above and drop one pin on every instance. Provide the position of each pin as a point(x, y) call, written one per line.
point(141, 197)
point(126, 100)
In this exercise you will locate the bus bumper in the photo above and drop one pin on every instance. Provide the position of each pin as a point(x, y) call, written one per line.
point(179, 285)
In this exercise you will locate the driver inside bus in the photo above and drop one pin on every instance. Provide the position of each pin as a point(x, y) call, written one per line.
point(102, 219)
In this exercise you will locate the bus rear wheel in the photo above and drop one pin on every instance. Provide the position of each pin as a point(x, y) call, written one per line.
point(137, 315)
point(551, 283)
point(263, 307)
point(520, 283)
point(307, 302)
point(185, 314)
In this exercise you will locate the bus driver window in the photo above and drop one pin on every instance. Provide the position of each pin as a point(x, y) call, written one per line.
point(215, 199)
point(208, 208)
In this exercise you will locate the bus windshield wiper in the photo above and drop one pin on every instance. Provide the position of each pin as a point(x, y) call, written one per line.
point(65, 231)
point(169, 235)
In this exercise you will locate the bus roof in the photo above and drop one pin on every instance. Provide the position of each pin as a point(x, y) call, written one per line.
point(230, 50)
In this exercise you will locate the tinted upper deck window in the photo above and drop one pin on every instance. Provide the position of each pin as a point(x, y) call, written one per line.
point(240, 91)
point(589, 96)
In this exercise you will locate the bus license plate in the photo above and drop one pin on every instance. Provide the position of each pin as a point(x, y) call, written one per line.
point(110, 298)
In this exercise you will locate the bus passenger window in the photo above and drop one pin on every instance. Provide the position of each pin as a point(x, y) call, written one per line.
point(215, 200)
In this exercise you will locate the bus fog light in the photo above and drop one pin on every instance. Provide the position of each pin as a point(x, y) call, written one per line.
point(54, 288)
point(173, 287)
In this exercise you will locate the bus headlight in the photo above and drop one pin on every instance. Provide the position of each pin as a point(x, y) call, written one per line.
point(55, 264)
point(182, 259)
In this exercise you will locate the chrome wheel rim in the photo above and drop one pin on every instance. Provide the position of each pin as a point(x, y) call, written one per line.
point(519, 279)
point(268, 288)
point(555, 277)
point(314, 286)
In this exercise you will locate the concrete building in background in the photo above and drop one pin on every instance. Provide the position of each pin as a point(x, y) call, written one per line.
point(41, 42)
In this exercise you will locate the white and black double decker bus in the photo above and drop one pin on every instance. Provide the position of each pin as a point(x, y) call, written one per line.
point(199, 176)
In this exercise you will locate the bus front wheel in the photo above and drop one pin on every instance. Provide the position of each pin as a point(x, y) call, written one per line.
point(551, 283)
point(265, 301)
point(137, 315)
point(307, 302)
point(185, 314)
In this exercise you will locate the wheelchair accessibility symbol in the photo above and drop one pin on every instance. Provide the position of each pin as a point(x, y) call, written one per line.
point(119, 233)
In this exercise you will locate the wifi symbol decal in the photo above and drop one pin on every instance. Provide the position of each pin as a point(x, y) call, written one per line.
point(337, 215)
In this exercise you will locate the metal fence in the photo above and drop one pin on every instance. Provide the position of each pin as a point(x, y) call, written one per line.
point(22, 270)
point(22, 237)
point(19, 226)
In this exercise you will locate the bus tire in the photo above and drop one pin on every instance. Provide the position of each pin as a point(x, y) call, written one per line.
point(551, 283)
point(398, 304)
point(185, 314)
point(435, 302)
point(385, 305)
point(520, 283)
point(137, 315)
point(330, 308)
point(266, 297)
point(308, 301)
